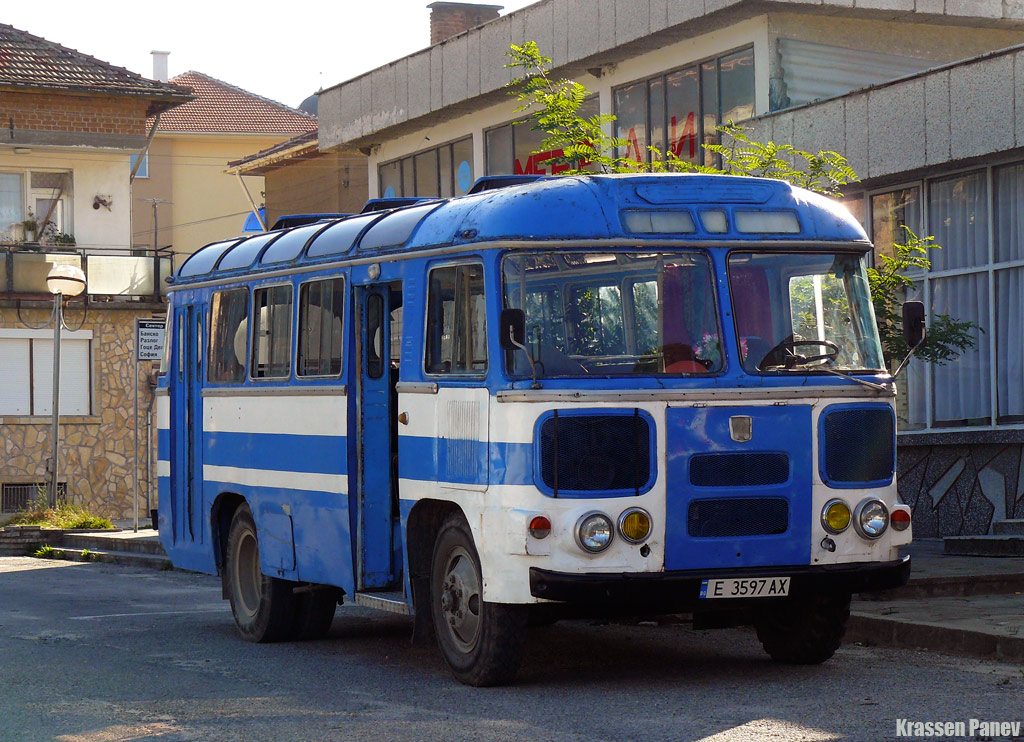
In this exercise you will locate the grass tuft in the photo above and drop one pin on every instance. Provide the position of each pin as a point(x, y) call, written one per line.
point(65, 515)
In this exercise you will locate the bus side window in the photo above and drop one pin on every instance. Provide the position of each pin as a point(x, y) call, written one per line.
point(229, 322)
point(272, 332)
point(456, 324)
point(321, 314)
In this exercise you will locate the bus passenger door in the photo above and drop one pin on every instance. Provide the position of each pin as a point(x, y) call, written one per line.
point(186, 427)
point(376, 447)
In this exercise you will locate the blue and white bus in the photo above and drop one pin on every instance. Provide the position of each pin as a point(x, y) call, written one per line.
point(637, 394)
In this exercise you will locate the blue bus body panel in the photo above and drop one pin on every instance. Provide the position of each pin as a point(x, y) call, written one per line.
point(706, 430)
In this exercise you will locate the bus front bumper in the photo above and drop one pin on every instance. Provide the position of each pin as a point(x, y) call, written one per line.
point(681, 589)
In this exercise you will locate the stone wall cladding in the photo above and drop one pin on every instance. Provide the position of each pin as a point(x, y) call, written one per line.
point(96, 451)
point(959, 489)
point(74, 113)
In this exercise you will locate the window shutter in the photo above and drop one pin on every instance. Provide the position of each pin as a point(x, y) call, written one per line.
point(75, 372)
point(14, 377)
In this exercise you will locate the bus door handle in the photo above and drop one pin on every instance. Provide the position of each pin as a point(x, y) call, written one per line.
point(403, 417)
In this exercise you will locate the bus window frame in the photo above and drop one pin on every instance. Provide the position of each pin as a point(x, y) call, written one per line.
point(480, 375)
point(296, 376)
point(288, 376)
point(209, 323)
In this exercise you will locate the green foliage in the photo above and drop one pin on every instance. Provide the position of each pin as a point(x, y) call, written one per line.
point(88, 556)
point(48, 552)
point(64, 515)
point(947, 338)
point(554, 106)
point(823, 172)
point(554, 110)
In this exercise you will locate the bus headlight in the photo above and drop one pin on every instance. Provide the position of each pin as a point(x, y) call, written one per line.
point(835, 516)
point(871, 518)
point(635, 525)
point(594, 532)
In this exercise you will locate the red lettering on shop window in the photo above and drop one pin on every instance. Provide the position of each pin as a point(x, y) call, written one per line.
point(537, 164)
point(689, 133)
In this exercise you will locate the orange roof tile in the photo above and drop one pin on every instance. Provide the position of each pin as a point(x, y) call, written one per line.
point(33, 63)
point(220, 107)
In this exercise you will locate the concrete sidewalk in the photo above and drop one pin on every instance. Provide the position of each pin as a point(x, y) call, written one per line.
point(961, 605)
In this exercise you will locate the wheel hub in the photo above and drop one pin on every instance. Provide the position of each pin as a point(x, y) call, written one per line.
point(460, 601)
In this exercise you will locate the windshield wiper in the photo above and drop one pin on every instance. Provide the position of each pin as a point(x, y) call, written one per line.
point(870, 384)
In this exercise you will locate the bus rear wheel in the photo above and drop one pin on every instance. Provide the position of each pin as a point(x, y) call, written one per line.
point(263, 607)
point(482, 643)
point(806, 631)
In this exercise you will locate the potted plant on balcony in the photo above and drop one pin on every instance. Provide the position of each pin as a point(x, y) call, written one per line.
point(63, 239)
point(31, 227)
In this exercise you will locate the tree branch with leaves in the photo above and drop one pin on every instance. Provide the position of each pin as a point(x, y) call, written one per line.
point(554, 108)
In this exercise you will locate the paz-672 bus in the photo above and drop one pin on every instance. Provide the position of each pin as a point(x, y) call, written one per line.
point(636, 394)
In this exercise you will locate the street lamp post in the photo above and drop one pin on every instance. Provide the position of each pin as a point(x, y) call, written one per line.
point(63, 280)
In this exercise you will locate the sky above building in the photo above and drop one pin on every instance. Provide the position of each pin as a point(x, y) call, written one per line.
point(284, 52)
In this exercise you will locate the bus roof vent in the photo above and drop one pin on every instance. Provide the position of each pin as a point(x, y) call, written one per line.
point(695, 189)
point(384, 204)
point(494, 182)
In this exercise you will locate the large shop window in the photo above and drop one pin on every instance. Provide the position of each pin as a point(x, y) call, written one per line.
point(678, 111)
point(440, 171)
point(977, 276)
point(511, 147)
point(26, 367)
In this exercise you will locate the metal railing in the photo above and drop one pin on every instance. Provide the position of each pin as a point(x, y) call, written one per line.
point(17, 497)
point(112, 275)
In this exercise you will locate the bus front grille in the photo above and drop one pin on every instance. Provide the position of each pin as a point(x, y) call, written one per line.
point(860, 445)
point(729, 517)
point(739, 469)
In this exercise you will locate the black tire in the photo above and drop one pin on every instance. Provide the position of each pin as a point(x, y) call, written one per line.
point(263, 607)
point(806, 631)
point(314, 612)
point(482, 643)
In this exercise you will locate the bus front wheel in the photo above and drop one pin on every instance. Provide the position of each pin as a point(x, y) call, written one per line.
point(482, 643)
point(263, 607)
point(806, 631)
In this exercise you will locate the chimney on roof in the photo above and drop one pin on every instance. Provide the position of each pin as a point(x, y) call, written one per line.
point(160, 65)
point(450, 19)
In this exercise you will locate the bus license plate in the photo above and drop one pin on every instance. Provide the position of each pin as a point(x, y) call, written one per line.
point(753, 587)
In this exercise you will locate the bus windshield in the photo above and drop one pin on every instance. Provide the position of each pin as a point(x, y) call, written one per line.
point(799, 312)
point(614, 313)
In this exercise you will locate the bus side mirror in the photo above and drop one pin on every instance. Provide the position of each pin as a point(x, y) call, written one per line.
point(512, 329)
point(913, 323)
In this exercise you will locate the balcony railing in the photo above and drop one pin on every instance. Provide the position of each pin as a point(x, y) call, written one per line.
point(111, 275)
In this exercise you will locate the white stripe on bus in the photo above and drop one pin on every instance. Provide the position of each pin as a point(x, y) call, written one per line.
point(287, 415)
point(288, 480)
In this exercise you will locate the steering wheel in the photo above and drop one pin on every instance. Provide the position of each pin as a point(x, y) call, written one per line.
point(794, 358)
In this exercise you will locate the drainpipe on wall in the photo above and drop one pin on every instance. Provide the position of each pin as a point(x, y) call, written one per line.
point(145, 150)
point(252, 203)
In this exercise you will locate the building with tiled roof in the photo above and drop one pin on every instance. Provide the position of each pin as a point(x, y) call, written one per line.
point(223, 108)
point(71, 126)
point(197, 201)
point(32, 63)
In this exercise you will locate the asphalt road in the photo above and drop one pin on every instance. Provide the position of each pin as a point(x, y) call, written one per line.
point(101, 653)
